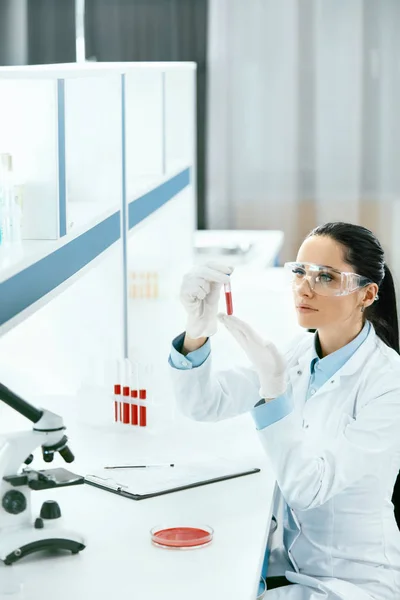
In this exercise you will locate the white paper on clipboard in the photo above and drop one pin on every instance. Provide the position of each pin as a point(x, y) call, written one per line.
point(157, 480)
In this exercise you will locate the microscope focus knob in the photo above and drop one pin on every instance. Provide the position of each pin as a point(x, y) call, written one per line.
point(14, 502)
point(50, 510)
point(29, 459)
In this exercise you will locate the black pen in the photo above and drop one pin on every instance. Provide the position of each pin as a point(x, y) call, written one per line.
point(139, 466)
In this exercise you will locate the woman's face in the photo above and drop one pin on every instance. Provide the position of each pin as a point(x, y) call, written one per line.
point(327, 310)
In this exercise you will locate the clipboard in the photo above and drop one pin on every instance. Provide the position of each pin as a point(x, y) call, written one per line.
point(133, 485)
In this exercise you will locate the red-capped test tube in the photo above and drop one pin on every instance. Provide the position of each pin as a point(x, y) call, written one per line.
point(126, 405)
point(117, 401)
point(228, 298)
point(126, 392)
point(142, 408)
point(118, 386)
point(143, 385)
point(134, 396)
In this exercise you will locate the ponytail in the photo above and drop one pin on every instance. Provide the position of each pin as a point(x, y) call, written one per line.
point(383, 312)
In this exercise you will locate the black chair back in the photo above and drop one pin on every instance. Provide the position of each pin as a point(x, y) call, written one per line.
point(396, 500)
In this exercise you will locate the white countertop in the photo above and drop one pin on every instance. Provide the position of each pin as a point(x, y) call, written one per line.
point(119, 559)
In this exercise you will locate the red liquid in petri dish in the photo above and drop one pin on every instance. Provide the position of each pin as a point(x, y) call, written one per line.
point(229, 303)
point(182, 537)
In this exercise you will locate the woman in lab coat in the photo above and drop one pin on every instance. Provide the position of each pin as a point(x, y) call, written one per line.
point(327, 412)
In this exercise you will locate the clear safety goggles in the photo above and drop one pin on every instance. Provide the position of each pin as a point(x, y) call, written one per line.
point(324, 280)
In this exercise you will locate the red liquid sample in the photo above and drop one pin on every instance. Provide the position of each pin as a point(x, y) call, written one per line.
point(134, 409)
point(125, 413)
point(143, 416)
point(142, 409)
point(182, 537)
point(229, 304)
point(117, 392)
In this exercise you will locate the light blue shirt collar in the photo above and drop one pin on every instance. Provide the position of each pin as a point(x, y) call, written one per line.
point(330, 364)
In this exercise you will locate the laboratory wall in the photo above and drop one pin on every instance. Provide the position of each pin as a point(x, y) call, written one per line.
point(303, 125)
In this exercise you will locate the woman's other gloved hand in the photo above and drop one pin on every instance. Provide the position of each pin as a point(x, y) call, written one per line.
point(264, 356)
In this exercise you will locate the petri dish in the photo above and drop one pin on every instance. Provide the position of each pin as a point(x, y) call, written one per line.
point(181, 537)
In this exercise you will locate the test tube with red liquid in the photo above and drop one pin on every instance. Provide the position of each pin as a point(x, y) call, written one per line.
point(145, 393)
point(126, 392)
point(134, 396)
point(143, 408)
point(142, 385)
point(117, 401)
point(228, 298)
point(118, 388)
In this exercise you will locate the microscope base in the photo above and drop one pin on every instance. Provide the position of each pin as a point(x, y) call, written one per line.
point(22, 543)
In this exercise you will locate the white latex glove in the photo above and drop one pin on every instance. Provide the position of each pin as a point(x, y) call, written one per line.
point(200, 292)
point(264, 356)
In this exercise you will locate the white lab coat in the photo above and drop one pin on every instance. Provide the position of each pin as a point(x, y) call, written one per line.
point(335, 458)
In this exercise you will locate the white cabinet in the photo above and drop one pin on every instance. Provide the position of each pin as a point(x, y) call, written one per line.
point(106, 153)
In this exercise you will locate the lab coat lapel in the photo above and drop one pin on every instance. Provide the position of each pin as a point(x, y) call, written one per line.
point(299, 376)
point(358, 359)
point(349, 368)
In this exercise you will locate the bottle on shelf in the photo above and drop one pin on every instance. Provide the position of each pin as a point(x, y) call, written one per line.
point(10, 209)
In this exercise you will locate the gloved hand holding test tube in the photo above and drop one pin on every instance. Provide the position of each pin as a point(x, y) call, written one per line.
point(200, 295)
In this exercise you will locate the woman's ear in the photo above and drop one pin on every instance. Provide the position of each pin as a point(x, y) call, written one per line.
point(370, 293)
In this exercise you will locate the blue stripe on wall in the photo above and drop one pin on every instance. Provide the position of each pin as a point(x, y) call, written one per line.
point(30, 285)
point(62, 180)
point(142, 207)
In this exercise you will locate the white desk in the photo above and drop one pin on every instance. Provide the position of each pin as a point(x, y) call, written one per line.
point(119, 560)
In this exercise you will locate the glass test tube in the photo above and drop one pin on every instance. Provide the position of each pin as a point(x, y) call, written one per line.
point(117, 401)
point(134, 396)
point(228, 298)
point(143, 396)
point(126, 391)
